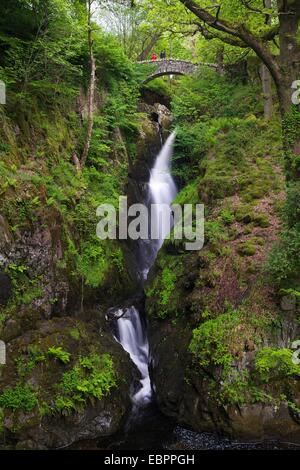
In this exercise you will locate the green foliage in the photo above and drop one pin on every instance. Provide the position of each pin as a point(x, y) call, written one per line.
point(215, 232)
point(248, 214)
point(210, 95)
point(161, 86)
point(247, 248)
point(220, 138)
point(75, 334)
point(25, 287)
point(20, 397)
point(291, 129)
point(164, 291)
point(273, 364)
point(91, 377)
point(58, 353)
point(235, 389)
point(227, 216)
point(189, 194)
point(211, 341)
point(284, 259)
point(26, 365)
point(292, 204)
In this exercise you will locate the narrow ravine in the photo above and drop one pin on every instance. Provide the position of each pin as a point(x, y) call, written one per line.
point(131, 330)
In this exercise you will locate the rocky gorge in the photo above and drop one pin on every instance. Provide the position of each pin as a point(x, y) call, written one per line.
point(114, 343)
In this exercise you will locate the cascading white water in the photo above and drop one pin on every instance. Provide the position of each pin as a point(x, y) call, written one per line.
point(133, 338)
point(130, 331)
point(162, 191)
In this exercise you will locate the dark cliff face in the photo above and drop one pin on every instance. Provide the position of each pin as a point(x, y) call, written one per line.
point(30, 388)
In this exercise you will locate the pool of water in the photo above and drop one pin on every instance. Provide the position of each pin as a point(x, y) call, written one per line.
point(150, 430)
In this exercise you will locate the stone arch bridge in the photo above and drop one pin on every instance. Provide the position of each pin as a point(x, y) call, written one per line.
point(174, 67)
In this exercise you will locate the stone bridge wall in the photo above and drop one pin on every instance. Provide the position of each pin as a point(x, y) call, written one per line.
point(173, 67)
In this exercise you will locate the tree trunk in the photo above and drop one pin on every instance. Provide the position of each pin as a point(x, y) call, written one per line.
point(146, 51)
point(266, 77)
point(289, 60)
point(91, 92)
point(220, 60)
point(267, 91)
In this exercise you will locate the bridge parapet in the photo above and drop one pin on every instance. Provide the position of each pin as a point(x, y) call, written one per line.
point(174, 67)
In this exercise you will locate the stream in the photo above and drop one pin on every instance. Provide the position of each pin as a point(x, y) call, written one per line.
point(131, 330)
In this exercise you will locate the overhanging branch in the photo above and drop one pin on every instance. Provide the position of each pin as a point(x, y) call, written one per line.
point(237, 31)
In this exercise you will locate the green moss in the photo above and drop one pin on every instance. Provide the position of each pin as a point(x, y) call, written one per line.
point(247, 248)
point(247, 214)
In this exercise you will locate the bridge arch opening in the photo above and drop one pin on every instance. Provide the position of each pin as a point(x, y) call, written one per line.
point(161, 74)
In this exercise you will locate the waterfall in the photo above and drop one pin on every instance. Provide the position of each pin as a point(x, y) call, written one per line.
point(162, 191)
point(131, 333)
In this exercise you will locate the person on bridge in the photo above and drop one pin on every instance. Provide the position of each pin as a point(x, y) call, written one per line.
point(154, 57)
point(163, 55)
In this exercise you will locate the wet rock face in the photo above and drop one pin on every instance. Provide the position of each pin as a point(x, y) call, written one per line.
point(94, 418)
point(194, 394)
point(154, 130)
point(38, 249)
point(260, 422)
point(184, 393)
point(5, 288)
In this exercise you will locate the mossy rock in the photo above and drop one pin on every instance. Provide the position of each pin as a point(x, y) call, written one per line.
point(246, 248)
point(46, 393)
point(246, 214)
